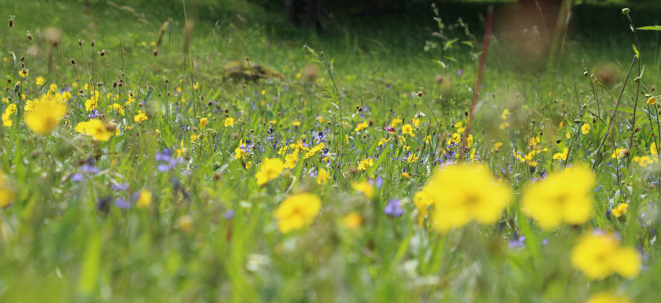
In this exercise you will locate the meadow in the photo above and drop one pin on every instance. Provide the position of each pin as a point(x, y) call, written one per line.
point(211, 152)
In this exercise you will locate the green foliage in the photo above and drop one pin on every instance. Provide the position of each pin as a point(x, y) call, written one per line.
point(209, 234)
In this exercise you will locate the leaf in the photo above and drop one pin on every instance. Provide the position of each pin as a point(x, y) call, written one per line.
point(441, 63)
point(627, 110)
point(89, 269)
point(636, 51)
point(449, 43)
point(467, 43)
point(650, 28)
point(382, 157)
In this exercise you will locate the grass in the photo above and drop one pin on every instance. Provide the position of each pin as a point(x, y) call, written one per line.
point(81, 226)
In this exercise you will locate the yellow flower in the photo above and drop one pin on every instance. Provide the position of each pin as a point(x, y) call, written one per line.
point(651, 100)
point(11, 109)
point(95, 128)
point(406, 175)
point(463, 193)
point(562, 155)
point(407, 129)
point(203, 122)
point(140, 117)
point(412, 158)
point(422, 200)
point(6, 120)
point(600, 255)
point(291, 159)
point(118, 108)
point(53, 87)
point(39, 81)
point(7, 192)
point(263, 92)
point(185, 223)
point(620, 209)
point(297, 211)
point(181, 150)
point(534, 141)
point(562, 197)
point(91, 104)
point(322, 176)
point(144, 199)
point(383, 141)
point(365, 188)
point(365, 164)
point(361, 126)
point(653, 148)
point(608, 297)
point(23, 73)
point(353, 220)
point(270, 169)
point(395, 122)
point(585, 129)
point(505, 114)
point(644, 161)
point(504, 125)
point(296, 123)
point(416, 122)
point(229, 122)
point(618, 153)
point(239, 152)
point(45, 117)
point(314, 150)
point(496, 146)
point(193, 137)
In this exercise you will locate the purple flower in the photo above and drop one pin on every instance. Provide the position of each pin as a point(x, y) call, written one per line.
point(120, 186)
point(379, 182)
point(93, 114)
point(517, 241)
point(122, 203)
point(167, 161)
point(77, 177)
point(87, 168)
point(164, 156)
point(393, 208)
point(229, 214)
point(459, 72)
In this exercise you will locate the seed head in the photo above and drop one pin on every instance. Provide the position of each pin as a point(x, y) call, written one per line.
point(11, 22)
point(92, 43)
point(155, 53)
